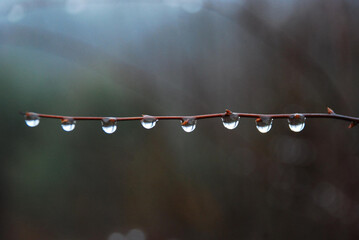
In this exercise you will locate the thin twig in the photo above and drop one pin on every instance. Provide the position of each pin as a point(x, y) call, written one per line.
point(330, 114)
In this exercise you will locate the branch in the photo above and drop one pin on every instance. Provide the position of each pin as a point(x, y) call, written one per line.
point(230, 120)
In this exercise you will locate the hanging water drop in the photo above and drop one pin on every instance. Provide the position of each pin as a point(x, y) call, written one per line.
point(264, 124)
point(32, 119)
point(230, 121)
point(68, 124)
point(148, 122)
point(296, 122)
point(109, 125)
point(189, 125)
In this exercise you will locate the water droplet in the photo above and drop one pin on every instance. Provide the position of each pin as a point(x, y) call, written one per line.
point(296, 122)
point(230, 121)
point(148, 122)
point(109, 125)
point(188, 125)
point(68, 124)
point(32, 119)
point(264, 124)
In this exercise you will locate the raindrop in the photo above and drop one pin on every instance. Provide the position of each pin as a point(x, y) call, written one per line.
point(230, 121)
point(148, 122)
point(188, 125)
point(296, 122)
point(68, 124)
point(264, 124)
point(32, 119)
point(109, 125)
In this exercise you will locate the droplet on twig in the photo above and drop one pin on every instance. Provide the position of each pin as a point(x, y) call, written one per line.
point(296, 122)
point(230, 120)
point(109, 125)
point(32, 119)
point(264, 124)
point(68, 124)
point(189, 124)
point(148, 121)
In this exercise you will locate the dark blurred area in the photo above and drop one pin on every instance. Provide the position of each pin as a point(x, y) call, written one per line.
point(179, 57)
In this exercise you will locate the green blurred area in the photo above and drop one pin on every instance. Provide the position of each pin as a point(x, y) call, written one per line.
point(121, 58)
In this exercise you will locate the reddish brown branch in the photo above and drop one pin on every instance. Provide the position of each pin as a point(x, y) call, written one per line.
point(331, 114)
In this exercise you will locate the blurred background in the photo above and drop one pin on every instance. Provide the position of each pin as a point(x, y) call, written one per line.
point(178, 57)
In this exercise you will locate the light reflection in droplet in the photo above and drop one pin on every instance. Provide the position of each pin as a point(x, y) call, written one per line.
point(109, 125)
point(148, 122)
point(32, 119)
point(230, 121)
point(68, 124)
point(189, 125)
point(264, 124)
point(296, 122)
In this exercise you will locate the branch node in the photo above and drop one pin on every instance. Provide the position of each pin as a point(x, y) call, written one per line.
point(228, 112)
point(67, 120)
point(330, 111)
point(296, 116)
